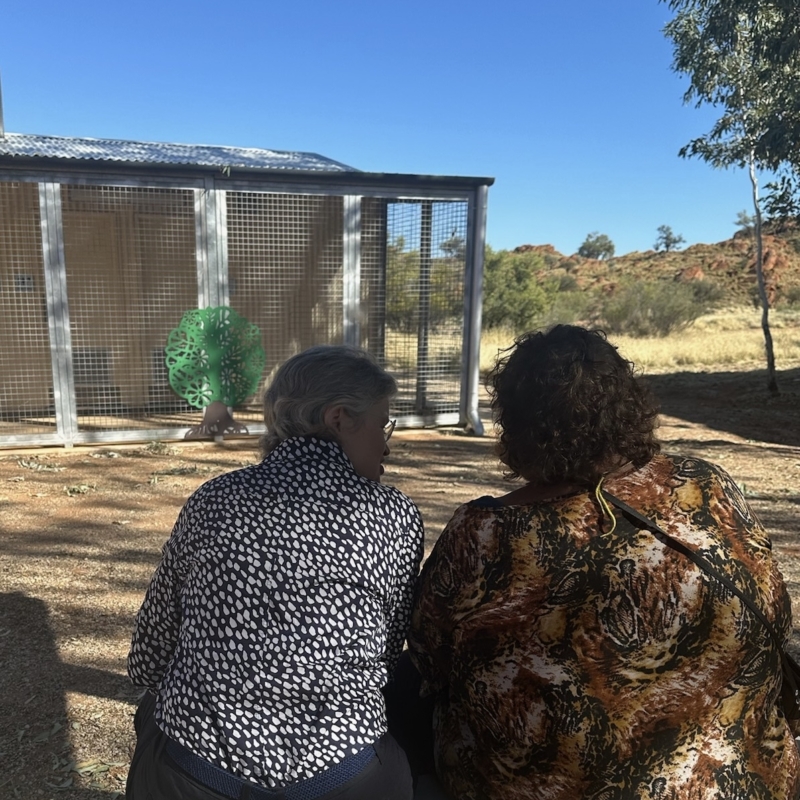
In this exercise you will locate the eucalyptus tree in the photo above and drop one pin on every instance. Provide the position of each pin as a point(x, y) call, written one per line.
point(596, 245)
point(772, 32)
point(729, 51)
point(667, 240)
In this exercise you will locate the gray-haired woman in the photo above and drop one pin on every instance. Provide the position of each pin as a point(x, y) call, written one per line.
point(281, 605)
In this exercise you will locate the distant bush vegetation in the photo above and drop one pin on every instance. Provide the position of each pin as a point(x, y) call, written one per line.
point(791, 296)
point(534, 288)
point(403, 287)
point(657, 308)
point(526, 290)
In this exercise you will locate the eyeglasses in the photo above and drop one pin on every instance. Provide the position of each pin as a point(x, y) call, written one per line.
point(388, 429)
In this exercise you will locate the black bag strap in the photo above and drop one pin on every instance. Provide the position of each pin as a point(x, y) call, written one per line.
point(709, 570)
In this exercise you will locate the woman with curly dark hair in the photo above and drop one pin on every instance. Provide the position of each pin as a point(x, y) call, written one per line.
point(574, 650)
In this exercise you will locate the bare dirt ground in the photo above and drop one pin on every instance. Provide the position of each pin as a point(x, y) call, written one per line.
point(81, 531)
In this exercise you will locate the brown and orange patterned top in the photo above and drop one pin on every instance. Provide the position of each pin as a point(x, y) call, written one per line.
point(573, 662)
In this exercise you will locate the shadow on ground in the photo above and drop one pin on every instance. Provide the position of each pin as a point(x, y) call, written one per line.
point(36, 750)
point(734, 402)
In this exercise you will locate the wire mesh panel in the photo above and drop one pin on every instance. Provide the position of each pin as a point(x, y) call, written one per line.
point(285, 271)
point(131, 273)
point(26, 377)
point(422, 327)
point(373, 276)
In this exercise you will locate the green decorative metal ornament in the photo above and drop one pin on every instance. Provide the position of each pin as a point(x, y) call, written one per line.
point(215, 360)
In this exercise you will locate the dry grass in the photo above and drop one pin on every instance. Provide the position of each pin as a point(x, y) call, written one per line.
point(727, 337)
point(724, 338)
point(444, 350)
point(492, 343)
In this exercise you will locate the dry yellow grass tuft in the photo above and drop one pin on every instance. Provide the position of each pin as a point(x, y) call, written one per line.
point(492, 343)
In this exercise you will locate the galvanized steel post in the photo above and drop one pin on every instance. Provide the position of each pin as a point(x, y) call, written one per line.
point(473, 306)
point(211, 246)
point(351, 271)
point(55, 277)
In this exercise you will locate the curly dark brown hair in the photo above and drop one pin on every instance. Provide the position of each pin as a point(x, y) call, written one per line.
point(569, 407)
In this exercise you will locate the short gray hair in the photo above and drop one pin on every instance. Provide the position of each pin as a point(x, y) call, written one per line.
point(316, 379)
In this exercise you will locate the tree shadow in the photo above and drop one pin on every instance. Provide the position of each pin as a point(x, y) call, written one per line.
point(35, 746)
point(734, 402)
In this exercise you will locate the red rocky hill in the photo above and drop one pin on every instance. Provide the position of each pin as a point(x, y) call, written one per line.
point(729, 265)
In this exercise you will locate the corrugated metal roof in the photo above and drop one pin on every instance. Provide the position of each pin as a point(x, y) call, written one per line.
point(32, 145)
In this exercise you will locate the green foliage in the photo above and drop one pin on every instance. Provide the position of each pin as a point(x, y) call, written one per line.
point(792, 296)
point(781, 200)
point(551, 260)
point(596, 245)
point(569, 307)
point(403, 285)
point(521, 293)
point(755, 296)
point(725, 49)
point(656, 308)
point(743, 56)
point(512, 294)
point(707, 293)
point(745, 222)
point(214, 355)
point(667, 240)
point(567, 283)
point(455, 246)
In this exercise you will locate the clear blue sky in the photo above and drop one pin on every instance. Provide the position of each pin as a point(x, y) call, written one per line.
point(571, 106)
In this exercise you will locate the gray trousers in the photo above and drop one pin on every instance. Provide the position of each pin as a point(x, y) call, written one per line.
point(155, 776)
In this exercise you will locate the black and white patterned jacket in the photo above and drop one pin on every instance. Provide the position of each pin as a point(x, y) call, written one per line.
point(277, 613)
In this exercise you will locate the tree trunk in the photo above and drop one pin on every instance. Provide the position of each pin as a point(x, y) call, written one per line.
point(772, 382)
point(217, 421)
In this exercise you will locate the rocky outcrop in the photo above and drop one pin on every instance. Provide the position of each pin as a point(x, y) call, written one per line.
point(729, 264)
point(692, 273)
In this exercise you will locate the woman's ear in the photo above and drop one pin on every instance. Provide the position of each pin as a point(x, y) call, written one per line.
point(334, 418)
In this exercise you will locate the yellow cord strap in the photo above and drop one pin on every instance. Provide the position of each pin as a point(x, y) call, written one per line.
point(604, 505)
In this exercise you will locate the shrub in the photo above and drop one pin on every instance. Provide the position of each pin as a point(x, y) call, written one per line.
point(755, 297)
point(707, 293)
point(567, 283)
point(652, 309)
point(568, 308)
point(513, 297)
point(569, 264)
point(792, 296)
point(403, 288)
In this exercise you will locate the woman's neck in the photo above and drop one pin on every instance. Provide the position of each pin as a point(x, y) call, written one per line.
point(533, 493)
point(542, 493)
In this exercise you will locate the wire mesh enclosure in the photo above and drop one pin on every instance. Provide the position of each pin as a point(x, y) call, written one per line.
point(96, 269)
